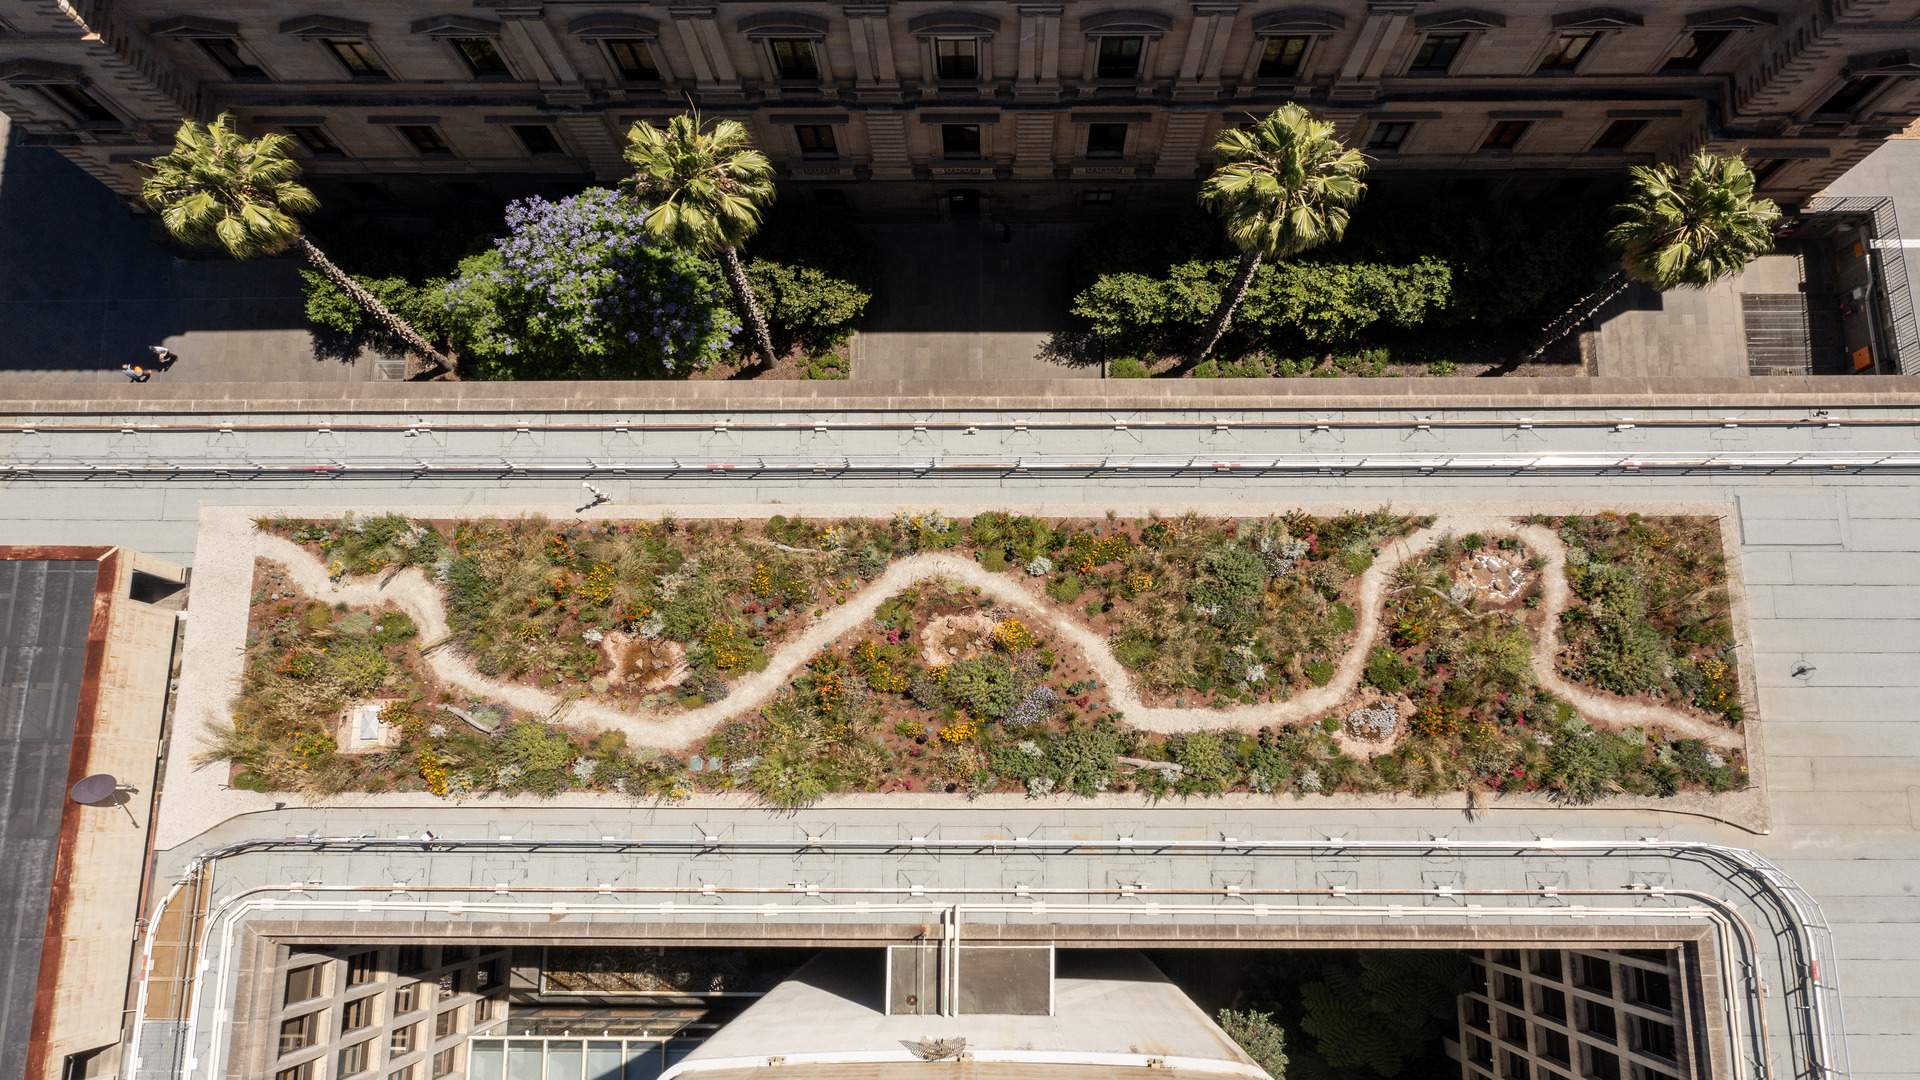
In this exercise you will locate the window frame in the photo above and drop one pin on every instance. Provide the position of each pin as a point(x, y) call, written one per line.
point(362, 1050)
point(972, 57)
point(436, 146)
point(315, 975)
point(1100, 44)
point(362, 1009)
point(314, 140)
point(1299, 68)
point(244, 69)
point(521, 131)
point(403, 1040)
point(446, 1062)
point(775, 47)
point(1690, 37)
point(1556, 47)
point(81, 104)
point(1106, 153)
point(829, 150)
point(458, 44)
point(1635, 126)
point(308, 1031)
point(1460, 38)
point(1517, 128)
point(947, 151)
point(1876, 87)
point(612, 47)
point(339, 47)
point(1375, 144)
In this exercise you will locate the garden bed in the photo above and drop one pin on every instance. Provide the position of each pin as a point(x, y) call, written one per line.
point(1007, 654)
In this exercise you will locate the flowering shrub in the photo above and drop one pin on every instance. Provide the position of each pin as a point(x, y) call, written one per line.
point(576, 290)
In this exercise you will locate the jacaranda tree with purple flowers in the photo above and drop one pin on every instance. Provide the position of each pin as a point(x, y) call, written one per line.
point(577, 289)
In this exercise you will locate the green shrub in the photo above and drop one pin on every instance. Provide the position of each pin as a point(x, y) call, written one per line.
point(1066, 588)
point(1128, 367)
point(807, 306)
point(985, 685)
point(1388, 672)
point(330, 309)
point(1622, 652)
point(1205, 765)
point(1081, 760)
point(1263, 1040)
point(827, 367)
point(1228, 582)
point(1318, 671)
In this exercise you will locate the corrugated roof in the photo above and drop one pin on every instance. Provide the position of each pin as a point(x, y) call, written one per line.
point(45, 606)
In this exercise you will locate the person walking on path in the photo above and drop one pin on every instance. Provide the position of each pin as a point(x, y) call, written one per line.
point(163, 357)
point(135, 373)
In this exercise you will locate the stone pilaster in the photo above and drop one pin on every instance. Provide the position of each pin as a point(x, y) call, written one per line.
point(1039, 51)
point(715, 77)
point(1385, 24)
point(1206, 50)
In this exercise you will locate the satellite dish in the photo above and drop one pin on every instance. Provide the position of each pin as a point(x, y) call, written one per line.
point(95, 790)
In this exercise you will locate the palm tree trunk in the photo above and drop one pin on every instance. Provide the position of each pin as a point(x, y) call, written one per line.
point(1229, 303)
point(1586, 308)
point(393, 324)
point(749, 305)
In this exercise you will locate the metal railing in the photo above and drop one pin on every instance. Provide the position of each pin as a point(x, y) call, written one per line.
point(1802, 937)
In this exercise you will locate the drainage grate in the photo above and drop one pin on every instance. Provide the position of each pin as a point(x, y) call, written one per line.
point(1779, 340)
point(390, 368)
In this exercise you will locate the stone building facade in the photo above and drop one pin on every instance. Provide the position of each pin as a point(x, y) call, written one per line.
point(921, 107)
point(1553, 1014)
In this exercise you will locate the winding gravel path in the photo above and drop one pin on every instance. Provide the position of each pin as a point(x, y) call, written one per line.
point(420, 598)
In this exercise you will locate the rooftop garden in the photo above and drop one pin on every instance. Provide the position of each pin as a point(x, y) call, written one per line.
point(794, 659)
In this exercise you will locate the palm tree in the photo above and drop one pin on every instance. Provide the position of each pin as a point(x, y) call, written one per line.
point(1283, 187)
point(706, 188)
point(217, 187)
point(1679, 231)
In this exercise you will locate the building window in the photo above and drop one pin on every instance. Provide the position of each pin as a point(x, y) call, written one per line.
point(1106, 140)
point(1695, 50)
point(356, 1014)
point(1597, 1020)
point(793, 59)
point(1119, 57)
point(227, 53)
point(1852, 94)
point(353, 1060)
point(360, 968)
point(445, 1060)
point(1097, 197)
point(1282, 56)
point(77, 102)
point(1436, 53)
point(297, 1033)
point(425, 139)
point(482, 57)
point(449, 985)
point(406, 999)
point(302, 1071)
point(960, 140)
point(315, 140)
point(1765, 169)
point(453, 954)
point(1618, 135)
point(816, 140)
point(1568, 49)
point(1388, 135)
point(400, 1041)
point(446, 1023)
point(1551, 1004)
point(357, 57)
point(539, 139)
point(1652, 989)
point(483, 1010)
point(633, 58)
point(1546, 964)
point(1555, 1047)
point(1592, 972)
point(1650, 1037)
point(409, 960)
point(404, 1072)
point(1513, 1029)
point(1600, 1064)
point(303, 984)
point(957, 59)
point(1506, 134)
point(487, 974)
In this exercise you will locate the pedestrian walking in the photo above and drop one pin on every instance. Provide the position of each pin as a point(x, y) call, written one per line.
point(135, 373)
point(163, 357)
point(594, 495)
point(426, 839)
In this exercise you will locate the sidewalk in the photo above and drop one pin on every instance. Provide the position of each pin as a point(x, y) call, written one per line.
point(86, 286)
